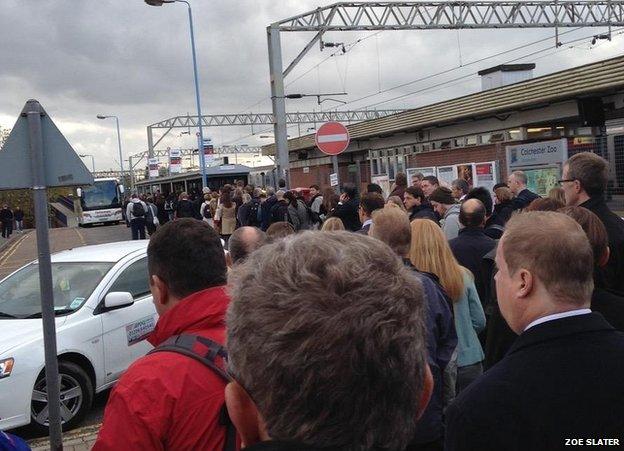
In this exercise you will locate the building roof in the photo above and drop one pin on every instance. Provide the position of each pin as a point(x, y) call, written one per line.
point(212, 171)
point(507, 68)
point(601, 77)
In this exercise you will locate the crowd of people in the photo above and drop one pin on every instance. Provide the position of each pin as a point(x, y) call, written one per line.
point(453, 318)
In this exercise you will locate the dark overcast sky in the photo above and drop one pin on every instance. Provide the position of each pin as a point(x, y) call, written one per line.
point(81, 58)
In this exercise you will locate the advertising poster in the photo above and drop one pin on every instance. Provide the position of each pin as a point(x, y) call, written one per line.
point(384, 182)
point(464, 171)
point(175, 161)
point(485, 174)
point(542, 180)
point(446, 174)
point(152, 163)
point(208, 152)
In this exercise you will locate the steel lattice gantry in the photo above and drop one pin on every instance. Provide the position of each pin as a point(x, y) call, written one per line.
point(218, 120)
point(373, 16)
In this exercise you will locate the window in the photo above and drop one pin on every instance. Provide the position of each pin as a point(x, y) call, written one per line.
point(134, 280)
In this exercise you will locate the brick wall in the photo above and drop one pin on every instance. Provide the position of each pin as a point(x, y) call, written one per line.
point(319, 175)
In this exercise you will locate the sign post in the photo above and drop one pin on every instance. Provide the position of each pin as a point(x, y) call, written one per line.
point(332, 138)
point(39, 157)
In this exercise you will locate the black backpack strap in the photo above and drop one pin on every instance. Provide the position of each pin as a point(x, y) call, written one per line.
point(212, 355)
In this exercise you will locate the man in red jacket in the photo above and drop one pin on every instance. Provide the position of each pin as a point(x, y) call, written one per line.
point(167, 400)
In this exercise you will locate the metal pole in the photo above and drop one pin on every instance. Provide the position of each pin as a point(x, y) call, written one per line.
point(279, 102)
point(334, 159)
point(119, 143)
point(131, 172)
point(199, 113)
point(92, 163)
point(34, 113)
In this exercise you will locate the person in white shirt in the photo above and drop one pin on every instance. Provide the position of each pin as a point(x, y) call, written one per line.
point(136, 213)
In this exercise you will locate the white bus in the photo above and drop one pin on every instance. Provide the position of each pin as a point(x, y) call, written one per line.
point(100, 203)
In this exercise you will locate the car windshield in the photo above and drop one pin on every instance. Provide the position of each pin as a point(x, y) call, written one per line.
point(72, 283)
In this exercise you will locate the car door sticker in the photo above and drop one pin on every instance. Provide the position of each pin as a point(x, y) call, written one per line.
point(139, 330)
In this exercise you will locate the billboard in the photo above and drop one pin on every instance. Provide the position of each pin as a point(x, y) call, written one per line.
point(542, 180)
point(152, 163)
point(175, 161)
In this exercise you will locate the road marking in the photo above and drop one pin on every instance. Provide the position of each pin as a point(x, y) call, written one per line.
point(11, 250)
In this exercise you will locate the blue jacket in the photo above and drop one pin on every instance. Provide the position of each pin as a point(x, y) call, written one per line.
point(469, 321)
point(441, 342)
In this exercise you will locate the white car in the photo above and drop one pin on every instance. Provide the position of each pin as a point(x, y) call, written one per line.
point(104, 313)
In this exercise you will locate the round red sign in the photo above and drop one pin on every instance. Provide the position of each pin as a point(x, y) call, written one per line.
point(332, 138)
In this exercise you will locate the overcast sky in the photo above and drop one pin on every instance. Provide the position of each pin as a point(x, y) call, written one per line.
point(81, 58)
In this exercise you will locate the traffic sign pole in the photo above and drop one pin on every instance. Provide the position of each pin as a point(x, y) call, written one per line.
point(335, 165)
point(53, 389)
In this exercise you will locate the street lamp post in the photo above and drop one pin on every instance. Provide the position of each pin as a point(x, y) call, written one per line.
point(92, 160)
point(197, 96)
point(100, 116)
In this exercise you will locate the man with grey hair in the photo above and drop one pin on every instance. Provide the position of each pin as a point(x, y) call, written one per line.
point(517, 182)
point(561, 380)
point(459, 188)
point(244, 241)
point(416, 179)
point(314, 321)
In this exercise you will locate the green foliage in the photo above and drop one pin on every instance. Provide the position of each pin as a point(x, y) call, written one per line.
point(24, 199)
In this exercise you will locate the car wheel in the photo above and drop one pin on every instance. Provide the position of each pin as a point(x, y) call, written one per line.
point(76, 398)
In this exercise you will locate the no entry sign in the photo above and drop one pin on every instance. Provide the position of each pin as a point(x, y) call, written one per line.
point(332, 138)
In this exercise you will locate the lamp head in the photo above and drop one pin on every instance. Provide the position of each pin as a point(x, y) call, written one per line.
point(100, 116)
point(158, 2)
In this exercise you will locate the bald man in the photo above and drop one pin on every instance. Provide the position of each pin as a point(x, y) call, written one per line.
point(472, 244)
point(244, 241)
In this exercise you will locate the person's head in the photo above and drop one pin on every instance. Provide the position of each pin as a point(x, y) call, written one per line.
point(183, 196)
point(207, 197)
point(370, 202)
point(246, 198)
point(413, 197)
point(374, 188)
point(503, 194)
point(441, 200)
point(392, 226)
point(499, 185)
point(280, 195)
point(429, 184)
point(244, 241)
point(557, 193)
point(417, 179)
point(256, 193)
point(133, 196)
point(262, 196)
point(459, 188)
point(430, 252)
point(544, 204)
point(149, 200)
point(472, 213)
point(517, 181)
point(278, 230)
point(281, 184)
point(291, 197)
point(542, 270)
point(314, 190)
point(332, 225)
point(595, 231)
point(270, 191)
point(400, 179)
point(585, 175)
point(184, 257)
point(313, 322)
point(483, 195)
point(396, 200)
point(349, 190)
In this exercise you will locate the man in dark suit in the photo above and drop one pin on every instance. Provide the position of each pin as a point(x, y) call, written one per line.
point(561, 379)
point(472, 244)
point(347, 208)
point(369, 202)
point(584, 183)
point(517, 182)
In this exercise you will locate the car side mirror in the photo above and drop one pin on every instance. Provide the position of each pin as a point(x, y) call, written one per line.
point(118, 299)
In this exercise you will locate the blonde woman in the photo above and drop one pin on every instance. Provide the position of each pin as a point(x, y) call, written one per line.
point(332, 224)
point(430, 252)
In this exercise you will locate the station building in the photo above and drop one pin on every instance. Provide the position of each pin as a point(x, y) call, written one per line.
point(515, 122)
